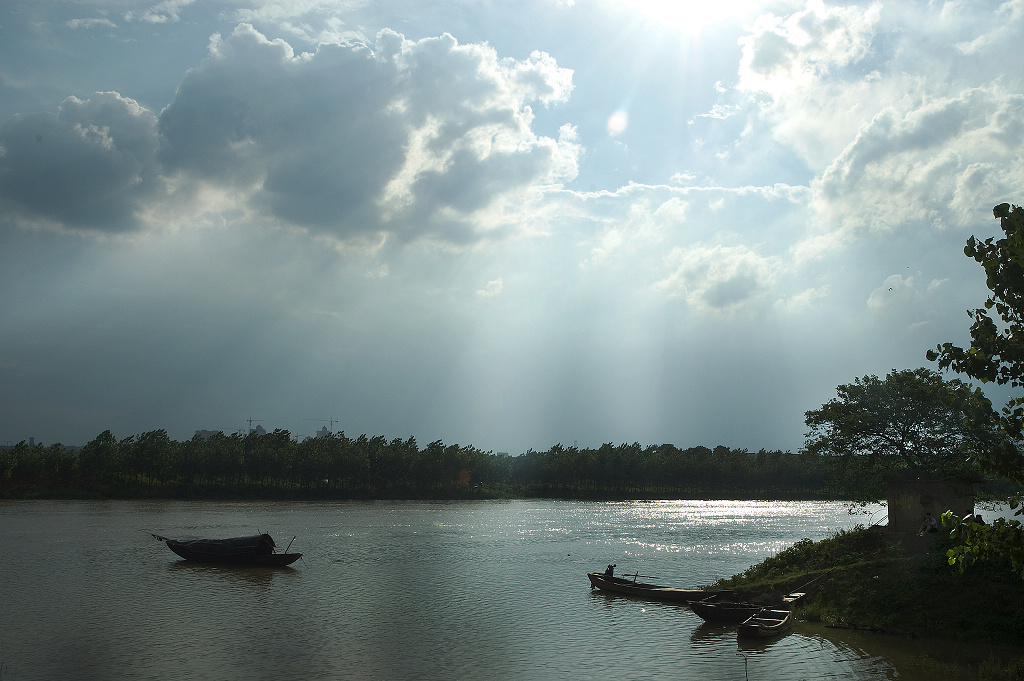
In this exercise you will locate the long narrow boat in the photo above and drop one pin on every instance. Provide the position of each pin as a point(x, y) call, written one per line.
point(765, 624)
point(258, 549)
point(656, 592)
point(724, 612)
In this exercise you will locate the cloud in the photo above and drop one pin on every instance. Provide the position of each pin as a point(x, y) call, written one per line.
point(783, 54)
point(901, 133)
point(895, 290)
point(406, 139)
point(718, 277)
point(719, 257)
point(161, 13)
point(90, 167)
point(720, 111)
point(937, 164)
point(90, 23)
point(493, 288)
point(809, 76)
point(1005, 30)
point(803, 300)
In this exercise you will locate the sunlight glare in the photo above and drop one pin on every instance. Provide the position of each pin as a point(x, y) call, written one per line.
point(689, 16)
point(618, 122)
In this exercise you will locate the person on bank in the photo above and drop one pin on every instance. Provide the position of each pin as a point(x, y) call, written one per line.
point(930, 524)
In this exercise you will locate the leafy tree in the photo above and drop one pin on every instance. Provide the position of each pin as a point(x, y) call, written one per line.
point(912, 420)
point(996, 355)
point(997, 351)
point(100, 459)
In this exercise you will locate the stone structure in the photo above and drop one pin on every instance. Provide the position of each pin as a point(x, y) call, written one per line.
point(911, 497)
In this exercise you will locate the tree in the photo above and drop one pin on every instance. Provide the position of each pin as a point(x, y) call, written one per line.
point(996, 355)
point(913, 420)
point(100, 459)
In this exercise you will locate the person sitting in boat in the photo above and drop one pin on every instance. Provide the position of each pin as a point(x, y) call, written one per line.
point(930, 524)
point(609, 571)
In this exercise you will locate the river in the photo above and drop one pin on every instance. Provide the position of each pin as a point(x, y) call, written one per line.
point(406, 590)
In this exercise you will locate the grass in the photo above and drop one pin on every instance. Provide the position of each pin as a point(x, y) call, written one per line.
point(867, 579)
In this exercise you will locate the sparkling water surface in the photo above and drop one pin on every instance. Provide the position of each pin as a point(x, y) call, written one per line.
point(405, 590)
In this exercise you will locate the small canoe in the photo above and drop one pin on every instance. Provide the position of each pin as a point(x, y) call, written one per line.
point(655, 592)
point(256, 550)
point(724, 612)
point(765, 624)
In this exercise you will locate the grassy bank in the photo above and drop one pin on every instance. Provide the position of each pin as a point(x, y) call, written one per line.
point(867, 579)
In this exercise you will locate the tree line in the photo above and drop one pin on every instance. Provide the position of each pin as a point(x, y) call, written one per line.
point(274, 465)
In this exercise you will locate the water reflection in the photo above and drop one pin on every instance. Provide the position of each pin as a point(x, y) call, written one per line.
point(708, 633)
point(242, 574)
point(760, 645)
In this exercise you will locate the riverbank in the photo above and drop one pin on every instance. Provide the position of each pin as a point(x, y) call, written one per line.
point(867, 579)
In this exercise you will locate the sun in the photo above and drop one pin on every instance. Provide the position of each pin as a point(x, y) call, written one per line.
point(691, 16)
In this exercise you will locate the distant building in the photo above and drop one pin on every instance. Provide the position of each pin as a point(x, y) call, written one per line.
point(323, 432)
point(207, 434)
point(258, 430)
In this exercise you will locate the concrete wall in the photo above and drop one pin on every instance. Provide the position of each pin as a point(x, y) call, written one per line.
point(909, 500)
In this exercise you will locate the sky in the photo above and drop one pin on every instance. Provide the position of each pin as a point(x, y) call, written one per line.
point(507, 225)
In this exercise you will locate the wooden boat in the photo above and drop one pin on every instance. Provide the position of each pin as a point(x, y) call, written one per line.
point(721, 611)
point(656, 592)
point(258, 549)
point(724, 612)
point(766, 623)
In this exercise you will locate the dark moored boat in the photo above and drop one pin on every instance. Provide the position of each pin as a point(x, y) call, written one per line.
point(259, 549)
point(765, 624)
point(724, 612)
point(631, 587)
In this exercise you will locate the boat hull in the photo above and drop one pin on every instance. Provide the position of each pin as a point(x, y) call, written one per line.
point(654, 592)
point(724, 612)
point(766, 624)
point(257, 550)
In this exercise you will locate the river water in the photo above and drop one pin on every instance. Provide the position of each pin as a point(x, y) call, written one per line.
point(407, 590)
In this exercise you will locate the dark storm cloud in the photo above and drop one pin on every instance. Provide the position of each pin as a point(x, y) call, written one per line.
point(90, 167)
point(407, 138)
point(351, 140)
point(312, 135)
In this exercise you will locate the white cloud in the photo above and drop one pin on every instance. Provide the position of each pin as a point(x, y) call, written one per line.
point(895, 290)
point(90, 23)
point(718, 277)
point(1006, 28)
point(493, 288)
point(942, 162)
point(803, 300)
point(793, 53)
point(807, 75)
point(160, 13)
